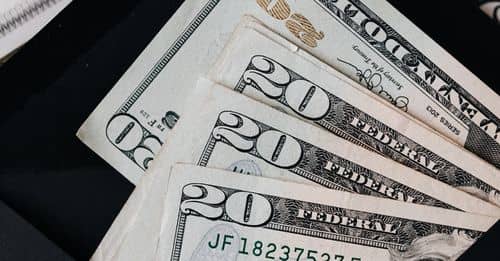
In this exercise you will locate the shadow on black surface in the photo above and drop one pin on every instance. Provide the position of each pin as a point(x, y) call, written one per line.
point(18, 235)
point(73, 208)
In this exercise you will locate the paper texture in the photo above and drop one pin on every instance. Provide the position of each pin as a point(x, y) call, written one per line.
point(367, 40)
point(227, 130)
point(240, 217)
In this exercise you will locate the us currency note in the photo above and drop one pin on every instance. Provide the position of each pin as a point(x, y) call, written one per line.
point(226, 130)
point(367, 40)
point(216, 215)
point(278, 73)
point(20, 20)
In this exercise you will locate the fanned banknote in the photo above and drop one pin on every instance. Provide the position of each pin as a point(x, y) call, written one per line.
point(368, 40)
point(278, 73)
point(226, 130)
point(213, 215)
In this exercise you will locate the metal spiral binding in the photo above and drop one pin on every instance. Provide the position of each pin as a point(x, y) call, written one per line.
point(21, 13)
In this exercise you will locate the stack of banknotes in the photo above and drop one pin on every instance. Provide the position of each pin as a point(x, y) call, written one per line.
point(298, 130)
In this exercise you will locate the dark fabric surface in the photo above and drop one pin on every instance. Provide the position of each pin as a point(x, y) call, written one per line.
point(19, 240)
point(49, 88)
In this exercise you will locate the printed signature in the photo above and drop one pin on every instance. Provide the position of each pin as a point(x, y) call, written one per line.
point(373, 82)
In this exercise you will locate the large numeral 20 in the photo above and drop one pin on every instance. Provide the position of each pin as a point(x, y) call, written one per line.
point(245, 208)
point(242, 133)
point(273, 80)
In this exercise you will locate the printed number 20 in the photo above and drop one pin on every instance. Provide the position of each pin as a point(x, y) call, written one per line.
point(296, 23)
point(245, 208)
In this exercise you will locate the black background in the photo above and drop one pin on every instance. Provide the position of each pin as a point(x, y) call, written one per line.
point(49, 88)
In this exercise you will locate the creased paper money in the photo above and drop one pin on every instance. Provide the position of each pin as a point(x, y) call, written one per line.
point(278, 73)
point(367, 40)
point(215, 215)
point(227, 130)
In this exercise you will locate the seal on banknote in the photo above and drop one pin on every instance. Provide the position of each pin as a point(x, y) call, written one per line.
point(246, 166)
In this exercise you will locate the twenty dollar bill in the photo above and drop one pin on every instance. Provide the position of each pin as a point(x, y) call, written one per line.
point(215, 215)
point(226, 130)
point(278, 73)
point(368, 40)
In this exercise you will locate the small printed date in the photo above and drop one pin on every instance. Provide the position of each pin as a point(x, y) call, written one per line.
point(443, 120)
point(272, 251)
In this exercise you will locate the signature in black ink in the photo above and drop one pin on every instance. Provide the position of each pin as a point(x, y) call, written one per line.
point(373, 82)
